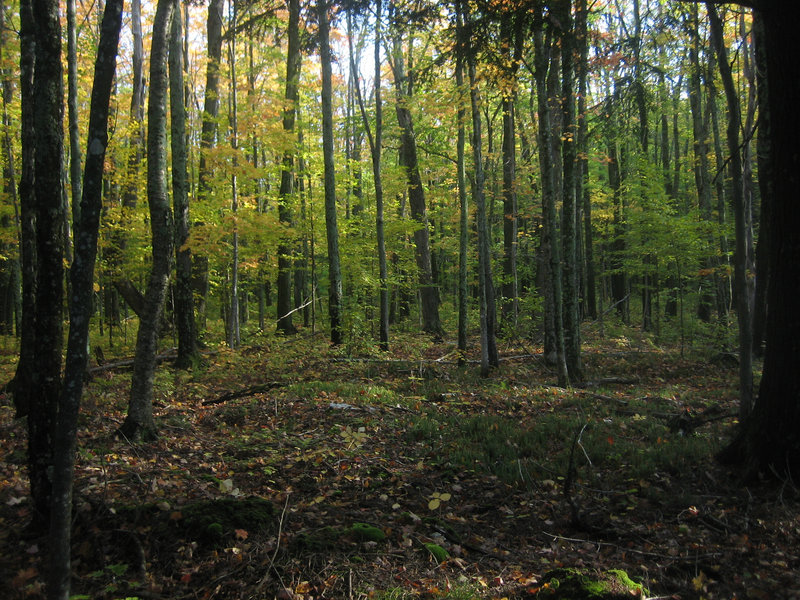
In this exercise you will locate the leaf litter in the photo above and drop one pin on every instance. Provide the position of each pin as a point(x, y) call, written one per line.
point(403, 476)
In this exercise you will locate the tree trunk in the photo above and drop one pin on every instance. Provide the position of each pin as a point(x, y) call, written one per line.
point(288, 175)
point(461, 117)
point(82, 279)
point(184, 295)
point(49, 222)
point(21, 386)
point(429, 293)
point(72, 115)
point(739, 208)
point(139, 423)
point(583, 192)
point(765, 181)
point(488, 311)
point(569, 233)
point(701, 168)
point(551, 242)
point(771, 435)
point(331, 226)
point(233, 323)
point(208, 136)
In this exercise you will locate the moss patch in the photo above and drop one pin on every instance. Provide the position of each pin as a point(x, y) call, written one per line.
point(573, 584)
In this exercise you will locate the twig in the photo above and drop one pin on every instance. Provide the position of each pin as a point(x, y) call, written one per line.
point(250, 391)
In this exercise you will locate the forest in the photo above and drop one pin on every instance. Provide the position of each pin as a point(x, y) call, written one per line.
point(389, 299)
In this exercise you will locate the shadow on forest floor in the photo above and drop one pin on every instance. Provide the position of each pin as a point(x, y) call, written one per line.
point(404, 475)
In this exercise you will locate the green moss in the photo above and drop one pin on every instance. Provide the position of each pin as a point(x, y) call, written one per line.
point(573, 584)
point(251, 514)
point(367, 533)
point(439, 553)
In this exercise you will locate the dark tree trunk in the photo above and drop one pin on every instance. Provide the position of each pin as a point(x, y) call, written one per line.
point(461, 116)
point(184, 295)
point(331, 226)
point(765, 181)
point(139, 423)
point(549, 170)
point(741, 282)
point(569, 234)
point(288, 175)
point(770, 440)
point(82, 279)
point(21, 386)
point(48, 99)
point(428, 289)
point(208, 136)
point(488, 310)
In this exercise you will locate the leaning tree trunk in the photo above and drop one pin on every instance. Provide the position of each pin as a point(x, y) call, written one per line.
point(331, 226)
point(80, 306)
point(139, 424)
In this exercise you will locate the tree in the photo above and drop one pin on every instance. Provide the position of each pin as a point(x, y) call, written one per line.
point(376, 148)
point(80, 306)
point(488, 310)
point(404, 89)
point(208, 136)
point(543, 43)
point(331, 226)
point(184, 295)
point(139, 423)
point(48, 143)
point(288, 175)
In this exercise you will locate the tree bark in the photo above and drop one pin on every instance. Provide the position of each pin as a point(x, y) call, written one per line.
point(288, 175)
point(488, 310)
point(331, 226)
point(82, 281)
point(184, 295)
point(139, 423)
point(429, 293)
point(739, 208)
point(48, 102)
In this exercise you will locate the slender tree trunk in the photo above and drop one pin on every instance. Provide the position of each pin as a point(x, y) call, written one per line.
point(72, 114)
point(288, 174)
point(404, 86)
point(184, 295)
point(740, 257)
point(461, 117)
point(139, 423)
point(208, 136)
point(375, 144)
point(234, 339)
point(542, 45)
point(569, 234)
point(765, 180)
point(48, 102)
point(22, 385)
point(331, 226)
point(701, 168)
point(82, 277)
point(488, 311)
point(583, 194)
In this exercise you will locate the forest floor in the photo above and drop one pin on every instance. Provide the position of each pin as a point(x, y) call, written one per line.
point(402, 475)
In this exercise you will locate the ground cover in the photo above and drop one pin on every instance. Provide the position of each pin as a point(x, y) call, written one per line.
point(292, 470)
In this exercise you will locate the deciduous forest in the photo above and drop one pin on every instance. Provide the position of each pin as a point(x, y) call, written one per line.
point(392, 299)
